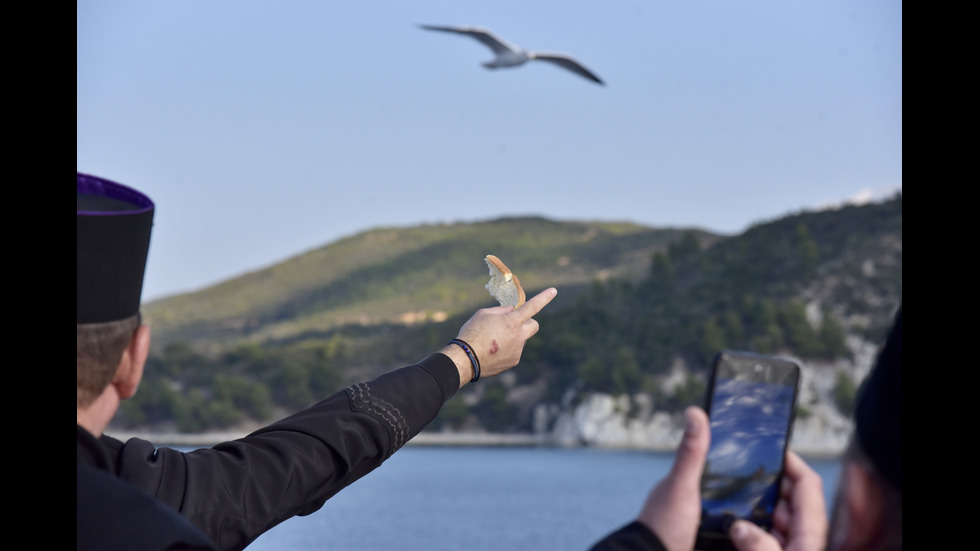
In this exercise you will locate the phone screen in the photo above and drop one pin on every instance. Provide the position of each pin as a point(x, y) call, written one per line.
point(751, 403)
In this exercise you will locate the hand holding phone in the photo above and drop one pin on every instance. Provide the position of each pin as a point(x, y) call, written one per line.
point(751, 404)
point(800, 521)
point(673, 506)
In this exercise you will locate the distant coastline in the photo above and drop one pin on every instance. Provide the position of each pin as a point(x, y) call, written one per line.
point(476, 439)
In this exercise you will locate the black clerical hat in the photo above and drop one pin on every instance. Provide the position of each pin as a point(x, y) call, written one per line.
point(879, 410)
point(112, 235)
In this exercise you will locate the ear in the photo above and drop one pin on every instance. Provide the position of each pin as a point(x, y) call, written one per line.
point(858, 511)
point(130, 370)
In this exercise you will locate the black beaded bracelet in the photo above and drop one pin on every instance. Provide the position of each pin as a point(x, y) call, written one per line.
point(472, 355)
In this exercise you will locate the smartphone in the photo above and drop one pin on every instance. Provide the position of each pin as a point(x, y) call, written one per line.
point(751, 403)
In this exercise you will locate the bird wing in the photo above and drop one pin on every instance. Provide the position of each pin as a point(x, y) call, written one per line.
point(487, 38)
point(568, 63)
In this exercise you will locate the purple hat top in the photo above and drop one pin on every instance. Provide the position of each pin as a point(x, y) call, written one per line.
point(112, 240)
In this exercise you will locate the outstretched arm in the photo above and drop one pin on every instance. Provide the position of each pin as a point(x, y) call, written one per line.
point(237, 490)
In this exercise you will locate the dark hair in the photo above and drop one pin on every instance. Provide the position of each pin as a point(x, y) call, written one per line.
point(98, 349)
point(878, 415)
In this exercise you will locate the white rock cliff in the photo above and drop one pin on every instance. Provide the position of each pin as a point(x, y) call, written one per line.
point(602, 420)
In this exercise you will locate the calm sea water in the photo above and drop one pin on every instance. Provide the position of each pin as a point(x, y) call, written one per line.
point(483, 499)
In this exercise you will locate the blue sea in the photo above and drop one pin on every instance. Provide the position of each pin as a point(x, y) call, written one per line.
point(486, 498)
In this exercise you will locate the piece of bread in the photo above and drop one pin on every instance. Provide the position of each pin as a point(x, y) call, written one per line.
point(504, 285)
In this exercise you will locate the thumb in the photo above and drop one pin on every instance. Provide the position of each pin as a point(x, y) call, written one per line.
point(693, 448)
point(673, 507)
point(746, 536)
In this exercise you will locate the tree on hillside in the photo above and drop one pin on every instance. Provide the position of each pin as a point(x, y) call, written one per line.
point(808, 251)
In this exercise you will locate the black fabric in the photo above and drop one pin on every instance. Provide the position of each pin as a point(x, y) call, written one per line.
point(635, 536)
point(237, 490)
point(112, 240)
point(879, 410)
point(113, 516)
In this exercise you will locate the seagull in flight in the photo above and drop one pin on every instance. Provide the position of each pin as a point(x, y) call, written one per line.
point(508, 55)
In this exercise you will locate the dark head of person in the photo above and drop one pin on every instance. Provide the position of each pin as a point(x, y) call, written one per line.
point(879, 409)
point(868, 505)
point(113, 224)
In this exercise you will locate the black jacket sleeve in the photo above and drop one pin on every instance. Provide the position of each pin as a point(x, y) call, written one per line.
point(635, 536)
point(237, 490)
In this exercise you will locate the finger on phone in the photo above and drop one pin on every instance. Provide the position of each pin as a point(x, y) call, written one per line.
point(746, 536)
point(806, 483)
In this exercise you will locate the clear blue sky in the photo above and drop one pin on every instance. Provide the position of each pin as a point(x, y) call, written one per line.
point(263, 129)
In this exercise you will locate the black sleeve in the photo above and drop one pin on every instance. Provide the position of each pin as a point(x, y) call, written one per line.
point(237, 490)
point(635, 536)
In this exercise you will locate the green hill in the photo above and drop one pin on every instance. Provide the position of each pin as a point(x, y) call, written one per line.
point(633, 301)
point(392, 275)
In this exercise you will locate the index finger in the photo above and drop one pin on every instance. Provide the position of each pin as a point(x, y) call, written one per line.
point(531, 307)
point(807, 501)
point(801, 474)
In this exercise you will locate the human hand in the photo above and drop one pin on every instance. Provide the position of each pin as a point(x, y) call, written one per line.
point(673, 507)
point(799, 522)
point(497, 335)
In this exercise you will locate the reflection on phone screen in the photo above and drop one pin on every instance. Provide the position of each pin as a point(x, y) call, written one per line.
point(749, 427)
